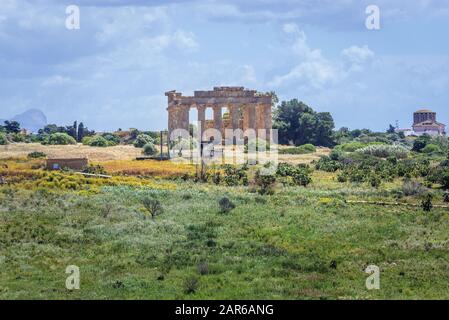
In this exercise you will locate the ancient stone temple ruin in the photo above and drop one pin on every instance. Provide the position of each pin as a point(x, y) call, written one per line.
point(233, 108)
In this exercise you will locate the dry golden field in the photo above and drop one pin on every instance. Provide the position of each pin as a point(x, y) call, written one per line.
point(97, 154)
point(117, 153)
point(304, 158)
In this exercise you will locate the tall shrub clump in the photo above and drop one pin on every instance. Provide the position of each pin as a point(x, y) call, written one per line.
point(385, 151)
point(60, 138)
point(3, 140)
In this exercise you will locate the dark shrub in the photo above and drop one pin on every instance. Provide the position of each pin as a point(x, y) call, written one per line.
point(111, 138)
point(36, 155)
point(431, 148)
point(203, 268)
point(265, 183)
point(421, 142)
point(301, 176)
point(392, 160)
point(153, 207)
point(260, 200)
point(342, 177)
point(446, 197)
point(98, 141)
point(426, 204)
point(335, 155)
point(142, 140)
point(304, 149)
point(3, 139)
point(191, 285)
point(445, 180)
point(375, 181)
point(60, 138)
point(412, 188)
point(216, 178)
point(328, 164)
point(234, 176)
point(149, 149)
point(226, 205)
point(285, 169)
point(95, 169)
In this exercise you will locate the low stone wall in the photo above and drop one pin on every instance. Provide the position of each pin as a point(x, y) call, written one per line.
point(77, 164)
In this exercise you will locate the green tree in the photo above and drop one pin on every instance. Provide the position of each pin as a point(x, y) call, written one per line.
point(111, 138)
point(75, 130)
point(421, 142)
point(152, 207)
point(49, 129)
point(142, 139)
point(98, 141)
point(149, 149)
point(324, 130)
point(299, 124)
point(60, 138)
point(3, 139)
point(80, 132)
point(71, 130)
point(391, 129)
point(12, 126)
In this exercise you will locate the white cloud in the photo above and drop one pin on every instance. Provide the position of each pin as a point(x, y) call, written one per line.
point(185, 40)
point(357, 54)
point(56, 80)
point(290, 28)
point(313, 69)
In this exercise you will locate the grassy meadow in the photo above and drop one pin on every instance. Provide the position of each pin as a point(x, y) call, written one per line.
point(298, 243)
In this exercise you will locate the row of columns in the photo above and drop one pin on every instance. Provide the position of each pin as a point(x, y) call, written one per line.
point(254, 117)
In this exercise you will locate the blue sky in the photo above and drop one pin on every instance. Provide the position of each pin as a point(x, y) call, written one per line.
point(113, 72)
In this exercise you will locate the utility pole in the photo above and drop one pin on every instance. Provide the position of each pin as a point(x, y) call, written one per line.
point(161, 145)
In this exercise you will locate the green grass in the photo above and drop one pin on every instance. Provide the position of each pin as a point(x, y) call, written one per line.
point(284, 246)
point(304, 149)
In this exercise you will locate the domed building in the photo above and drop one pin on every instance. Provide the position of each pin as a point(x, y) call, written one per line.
point(425, 122)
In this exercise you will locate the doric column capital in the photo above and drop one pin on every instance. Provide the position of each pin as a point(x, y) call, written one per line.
point(233, 107)
point(201, 107)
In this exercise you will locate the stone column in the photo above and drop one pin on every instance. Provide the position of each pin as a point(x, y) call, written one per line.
point(267, 120)
point(234, 116)
point(260, 120)
point(245, 117)
point(171, 119)
point(178, 118)
point(201, 118)
point(184, 117)
point(218, 122)
point(251, 116)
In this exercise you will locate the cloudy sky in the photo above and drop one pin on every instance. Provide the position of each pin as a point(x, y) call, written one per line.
point(113, 72)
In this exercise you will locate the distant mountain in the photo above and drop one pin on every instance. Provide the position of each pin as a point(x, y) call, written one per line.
point(32, 120)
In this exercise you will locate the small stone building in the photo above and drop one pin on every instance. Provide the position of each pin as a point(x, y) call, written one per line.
point(425, 122)
point(76, 164)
